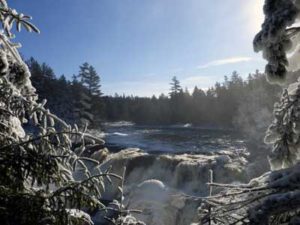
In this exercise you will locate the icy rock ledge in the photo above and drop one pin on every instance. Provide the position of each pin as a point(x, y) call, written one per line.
point(162, 185)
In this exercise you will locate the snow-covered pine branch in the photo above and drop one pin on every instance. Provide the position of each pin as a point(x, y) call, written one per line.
point(37, 157)
point(273, 198)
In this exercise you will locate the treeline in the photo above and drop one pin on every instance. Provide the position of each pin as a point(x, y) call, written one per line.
point(234, 102)
point(222, 105)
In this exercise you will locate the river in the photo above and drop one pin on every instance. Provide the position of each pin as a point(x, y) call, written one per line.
point(174, 163)
point(173, 139)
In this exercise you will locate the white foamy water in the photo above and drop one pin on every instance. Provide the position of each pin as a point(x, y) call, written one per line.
point(164, 186)
point(166, 179)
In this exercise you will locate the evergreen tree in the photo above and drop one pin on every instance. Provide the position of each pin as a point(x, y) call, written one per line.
point(273, 198)
point(90, 79)
point(199, 105)
point(90, 105)
point(97, 102)
point(82, 103)
point(43, 79)
point(175, 87)
point(94, 82)
point(37, 182)
point(56, 91)
point(83, 74)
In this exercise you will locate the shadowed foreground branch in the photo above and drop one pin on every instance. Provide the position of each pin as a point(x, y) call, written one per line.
point(37, 160)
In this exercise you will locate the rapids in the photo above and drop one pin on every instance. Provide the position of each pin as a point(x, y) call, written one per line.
point(167, 187)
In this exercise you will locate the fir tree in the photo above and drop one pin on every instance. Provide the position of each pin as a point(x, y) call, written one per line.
point(94, 82)
point(82, 103)
point(90, 79)
point(89, 107)
point(37, 183)
point(273, 198)
point(175, 87)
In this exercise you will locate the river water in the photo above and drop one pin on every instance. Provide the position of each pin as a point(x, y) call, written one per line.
point(174, 139)
point(159, 184)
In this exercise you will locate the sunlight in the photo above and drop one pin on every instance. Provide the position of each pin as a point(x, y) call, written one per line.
point(253, 11)
point(161, 116)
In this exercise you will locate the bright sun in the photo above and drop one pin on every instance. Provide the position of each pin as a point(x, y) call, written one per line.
point(258, 14)
point(254, 11)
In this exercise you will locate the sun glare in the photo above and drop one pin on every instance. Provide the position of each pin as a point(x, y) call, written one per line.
point(255, 14)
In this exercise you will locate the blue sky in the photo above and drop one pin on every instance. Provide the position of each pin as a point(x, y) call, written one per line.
point(138, 45)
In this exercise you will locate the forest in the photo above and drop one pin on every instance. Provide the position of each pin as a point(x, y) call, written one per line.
point(235, 103)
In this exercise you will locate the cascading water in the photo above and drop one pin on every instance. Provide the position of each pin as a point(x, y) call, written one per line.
point(165, 187)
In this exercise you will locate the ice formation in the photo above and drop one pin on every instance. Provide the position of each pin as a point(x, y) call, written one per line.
point(167, 188)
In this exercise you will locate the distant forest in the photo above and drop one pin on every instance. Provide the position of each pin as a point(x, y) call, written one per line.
point(233, 103)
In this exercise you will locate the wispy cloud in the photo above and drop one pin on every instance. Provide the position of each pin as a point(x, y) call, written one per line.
point(226, 61)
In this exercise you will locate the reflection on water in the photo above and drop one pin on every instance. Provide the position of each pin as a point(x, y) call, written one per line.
point(175, 139)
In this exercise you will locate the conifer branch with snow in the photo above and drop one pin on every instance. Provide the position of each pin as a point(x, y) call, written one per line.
point(273, 198)
point(37, 157)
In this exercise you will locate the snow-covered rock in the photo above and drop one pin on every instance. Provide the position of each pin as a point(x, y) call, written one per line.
point(100, 155)
point(162, 185)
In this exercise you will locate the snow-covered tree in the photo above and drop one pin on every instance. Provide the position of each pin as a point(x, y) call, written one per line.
point(37, 165)
point(275, 37)
point(273, 198)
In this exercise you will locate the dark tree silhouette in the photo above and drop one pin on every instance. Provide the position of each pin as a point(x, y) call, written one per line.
point(175, 87)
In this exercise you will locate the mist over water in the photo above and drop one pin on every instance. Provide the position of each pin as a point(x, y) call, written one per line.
point(174, 139)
